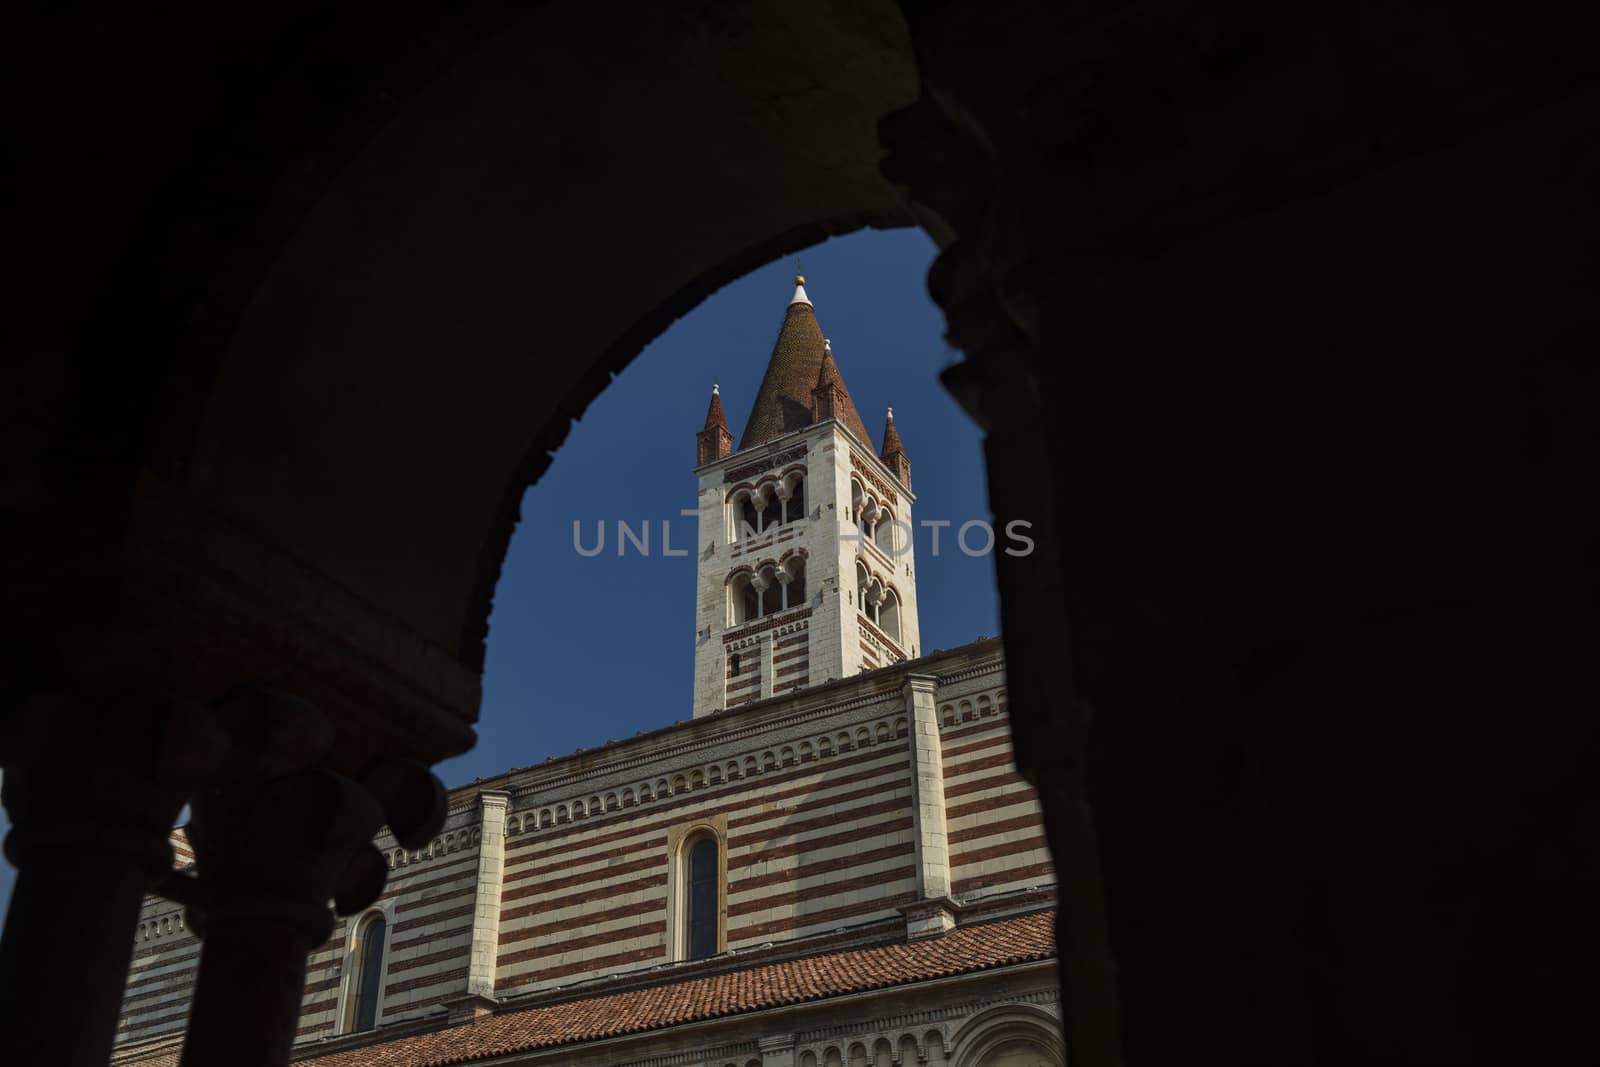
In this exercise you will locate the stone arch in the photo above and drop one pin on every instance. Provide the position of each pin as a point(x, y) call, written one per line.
point(1007, 1035)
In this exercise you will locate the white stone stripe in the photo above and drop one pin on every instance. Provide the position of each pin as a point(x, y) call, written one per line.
point(583, 955)
point(586, 888)
point(1022, 805)
point(803, 929)
point(623, 927)
point(586, 906)
point(821, 879)
point(843, 823)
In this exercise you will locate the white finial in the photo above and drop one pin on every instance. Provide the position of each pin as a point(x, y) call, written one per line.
point(800, 296)
point(827, 345)
point(891, 411)
point(714, 389)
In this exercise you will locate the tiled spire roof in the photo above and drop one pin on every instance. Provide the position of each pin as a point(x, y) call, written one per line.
point(894, 453)
point(891, 438)
point(714, 416)
point(784, 402)
point(716, 440)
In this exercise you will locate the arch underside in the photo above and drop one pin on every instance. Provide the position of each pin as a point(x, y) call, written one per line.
point(475, 277)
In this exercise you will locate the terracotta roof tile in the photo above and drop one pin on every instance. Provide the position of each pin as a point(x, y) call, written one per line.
point(1020, 939)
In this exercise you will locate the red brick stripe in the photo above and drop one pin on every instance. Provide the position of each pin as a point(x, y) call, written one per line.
point(989, 852)
point(444, 978)
point(1021, 795)
point(1031, 821)
point(816, 867)
point(819, 822)
point(976, 746)
point(655, 881)
point(974, 785)
point(980, 763)
point(599, 963)
point(847, 911)
point(827, 889)
point(589, 918)
point(459, 952)
point(403, 925)
point(962, 886)
point(423, 939)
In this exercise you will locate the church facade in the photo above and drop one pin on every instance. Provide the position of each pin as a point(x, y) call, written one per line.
point(832, 863)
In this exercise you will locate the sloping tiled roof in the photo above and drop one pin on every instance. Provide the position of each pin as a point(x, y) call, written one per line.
point(891, 438)
point(1020, 939)
point(714, 415)
point(783, 403)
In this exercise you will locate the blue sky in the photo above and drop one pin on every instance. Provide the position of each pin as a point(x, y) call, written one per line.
point(630, 458)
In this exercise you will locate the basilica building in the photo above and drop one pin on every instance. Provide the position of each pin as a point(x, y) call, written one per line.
point(833, 862)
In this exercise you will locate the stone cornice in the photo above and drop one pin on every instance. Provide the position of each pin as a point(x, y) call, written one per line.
point(670, 743)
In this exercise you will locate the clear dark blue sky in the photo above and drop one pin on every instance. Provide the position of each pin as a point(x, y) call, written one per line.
point(630, 458)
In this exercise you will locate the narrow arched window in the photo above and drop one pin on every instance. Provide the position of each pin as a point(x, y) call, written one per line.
point(794, 594)
point(366, 972)
point(889, 615)
point(795, 507)
point(700, 899)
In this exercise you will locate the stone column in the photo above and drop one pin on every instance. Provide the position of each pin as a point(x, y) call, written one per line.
point(1312, 419)
point(928, 819)
point(273, 845)
point(486, 908)
point(93, 784)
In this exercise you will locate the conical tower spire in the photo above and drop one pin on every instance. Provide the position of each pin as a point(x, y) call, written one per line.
point(786, 400)
point(716, 440)
point(894, 453)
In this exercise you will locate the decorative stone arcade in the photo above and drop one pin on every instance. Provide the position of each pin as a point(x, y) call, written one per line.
point(806, 571)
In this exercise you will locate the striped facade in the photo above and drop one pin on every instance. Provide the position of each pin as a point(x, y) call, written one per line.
point(556, 879)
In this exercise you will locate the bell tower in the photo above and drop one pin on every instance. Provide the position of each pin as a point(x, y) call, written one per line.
point(805, 569)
